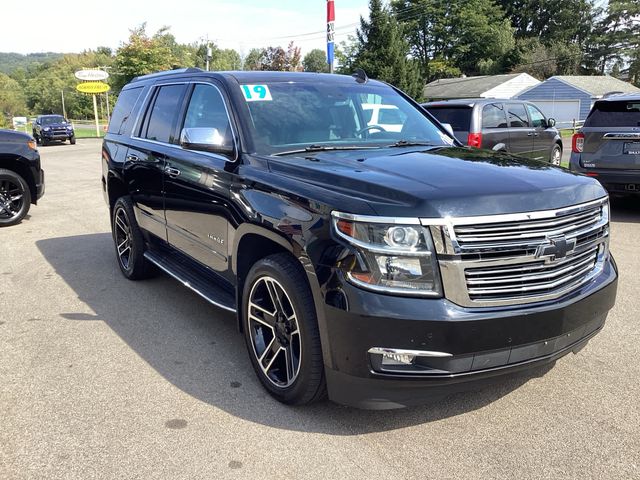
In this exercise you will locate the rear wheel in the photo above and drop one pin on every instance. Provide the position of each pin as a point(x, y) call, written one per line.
point(129, 242)
point(281, 330)
point(556, 155)
point(15, 198)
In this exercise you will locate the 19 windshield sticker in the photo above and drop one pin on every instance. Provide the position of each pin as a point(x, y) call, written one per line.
point(256, 93)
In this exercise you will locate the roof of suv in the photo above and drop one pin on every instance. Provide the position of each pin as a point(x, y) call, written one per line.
point(243, 76)
point(470, 101)
point(621, 97)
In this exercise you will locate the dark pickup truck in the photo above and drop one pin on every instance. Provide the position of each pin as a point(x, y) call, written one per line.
point(52, 128)
point(21, 178)
point(379, 267)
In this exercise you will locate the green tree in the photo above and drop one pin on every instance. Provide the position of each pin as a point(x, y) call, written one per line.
point(315, 61)
point(142, 54)
point(345, 53)
point(382, 51)
point(12, 101)
point(252, 60)
point(471, 36)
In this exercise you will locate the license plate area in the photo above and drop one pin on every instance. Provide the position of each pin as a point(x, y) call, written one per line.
point(631, 148)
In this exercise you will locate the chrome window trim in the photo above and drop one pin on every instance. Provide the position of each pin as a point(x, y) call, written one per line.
point(154, 87)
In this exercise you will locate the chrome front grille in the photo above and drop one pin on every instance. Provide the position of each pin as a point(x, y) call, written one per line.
point(521, 258)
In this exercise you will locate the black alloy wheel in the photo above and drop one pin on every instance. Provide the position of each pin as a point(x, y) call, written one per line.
point(129, 242)
point(15, 198)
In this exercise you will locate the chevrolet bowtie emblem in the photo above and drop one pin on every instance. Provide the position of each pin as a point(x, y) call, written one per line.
point(556, 247)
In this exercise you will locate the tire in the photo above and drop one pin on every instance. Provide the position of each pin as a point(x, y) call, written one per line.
point(129, 242)
point(72, 140)
point(44, 142)
point(37, 138)
point(15, 198)
point(556, 155)
point(294, 374)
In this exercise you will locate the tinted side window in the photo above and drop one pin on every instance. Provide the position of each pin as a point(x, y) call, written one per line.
point(517, 116)
point(126, 100)
point(391, 116)
point(493, 116)
point(164, 113)
point(537, 118)
point(207, 110)
point(614, 114)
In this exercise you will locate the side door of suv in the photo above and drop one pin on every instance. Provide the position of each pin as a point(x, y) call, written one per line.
point(521, 134)
point(495, 132)
point(197, 183)
point(543, 136)
point(146, 157)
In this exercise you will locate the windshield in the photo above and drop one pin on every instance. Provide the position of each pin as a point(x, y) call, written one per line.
point(287, 116)
point(52, 119)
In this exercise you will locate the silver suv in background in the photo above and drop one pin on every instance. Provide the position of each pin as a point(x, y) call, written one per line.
point(607, 147)
point(510, 126)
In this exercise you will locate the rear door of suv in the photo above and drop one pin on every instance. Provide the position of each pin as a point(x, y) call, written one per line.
point(495, 131)
point(612, 136)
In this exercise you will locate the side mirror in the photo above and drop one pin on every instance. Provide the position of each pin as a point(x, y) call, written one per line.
point(207, 140)
point(551, 122)
point(448, 128)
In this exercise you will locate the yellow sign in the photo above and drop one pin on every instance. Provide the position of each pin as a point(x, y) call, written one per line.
point(93, 87)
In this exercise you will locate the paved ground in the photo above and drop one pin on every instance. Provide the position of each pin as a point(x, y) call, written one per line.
point(104, 378)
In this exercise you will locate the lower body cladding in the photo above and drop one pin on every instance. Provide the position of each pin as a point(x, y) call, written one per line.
point(391, 352)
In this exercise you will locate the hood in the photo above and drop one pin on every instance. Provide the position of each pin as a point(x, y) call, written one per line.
point(442, 181)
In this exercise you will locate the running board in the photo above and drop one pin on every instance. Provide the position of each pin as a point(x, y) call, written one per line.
point(195, 281)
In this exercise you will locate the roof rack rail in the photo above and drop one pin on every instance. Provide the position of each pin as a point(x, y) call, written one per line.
point(167, 72)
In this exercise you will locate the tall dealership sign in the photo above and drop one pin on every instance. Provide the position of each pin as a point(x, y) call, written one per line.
point(331, 32)
point(92, 84)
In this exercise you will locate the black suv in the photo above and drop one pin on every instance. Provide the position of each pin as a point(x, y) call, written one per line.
point(382, 266)
point(51, 128)
point(607, 147)
point(510, 126)
point(21, 178)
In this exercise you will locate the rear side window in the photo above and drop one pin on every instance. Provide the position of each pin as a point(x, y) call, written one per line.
point(164, 114)
point(517, 115)
point(537, 117)
point(122, 111)
point(493, 116)
point(458, 117)
point(614, 114)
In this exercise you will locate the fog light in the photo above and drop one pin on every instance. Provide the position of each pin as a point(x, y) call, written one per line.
point(397, 359)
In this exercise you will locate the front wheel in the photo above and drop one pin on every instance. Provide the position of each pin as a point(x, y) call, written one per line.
point(281, 330)
point(72, 140)
point(15, 198)
point(556, 155)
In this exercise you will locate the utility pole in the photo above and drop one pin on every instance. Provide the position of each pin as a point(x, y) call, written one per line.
point(64, 110)
point(331, 33)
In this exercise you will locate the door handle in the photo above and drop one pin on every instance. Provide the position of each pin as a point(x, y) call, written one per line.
point(172, 172)
point(132, 157)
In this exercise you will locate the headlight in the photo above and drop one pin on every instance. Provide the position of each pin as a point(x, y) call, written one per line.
point(46, 129)
point(393, 257)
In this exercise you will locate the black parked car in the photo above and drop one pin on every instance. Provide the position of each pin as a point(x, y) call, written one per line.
point(510, 126)
point(21, 178)
point(607, 147)
point(51, 128)
point(384, 266)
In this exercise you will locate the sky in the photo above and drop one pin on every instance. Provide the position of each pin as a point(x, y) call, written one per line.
point(238, 24)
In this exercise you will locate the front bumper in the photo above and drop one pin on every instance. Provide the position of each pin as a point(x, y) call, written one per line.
point(483, 342)
point(57, 135)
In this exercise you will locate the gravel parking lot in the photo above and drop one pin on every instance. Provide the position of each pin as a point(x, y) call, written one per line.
point(101, 377)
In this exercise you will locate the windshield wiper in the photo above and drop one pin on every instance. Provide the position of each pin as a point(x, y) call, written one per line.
point(321, 148)
point(410, 143)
